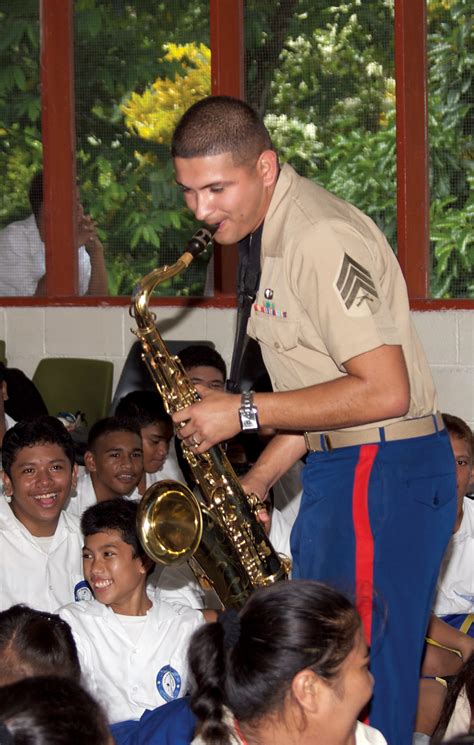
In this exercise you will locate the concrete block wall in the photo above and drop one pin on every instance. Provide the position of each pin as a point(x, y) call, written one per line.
point(104, 332)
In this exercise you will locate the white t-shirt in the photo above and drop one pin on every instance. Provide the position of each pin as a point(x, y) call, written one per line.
point(129, 676)
point(455, 591)
point(22, 260)
point(35, 573)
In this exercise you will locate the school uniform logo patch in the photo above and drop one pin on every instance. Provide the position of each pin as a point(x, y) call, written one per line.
point(356, 289)
point(168, 682)
point(82, 591)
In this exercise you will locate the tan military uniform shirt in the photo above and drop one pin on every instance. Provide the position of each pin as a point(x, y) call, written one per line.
point(330, 289)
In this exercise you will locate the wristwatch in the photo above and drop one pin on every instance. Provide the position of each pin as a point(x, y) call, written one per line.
point(248, 413)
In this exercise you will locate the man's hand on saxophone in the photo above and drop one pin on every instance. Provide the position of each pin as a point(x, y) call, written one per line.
point(210, 421)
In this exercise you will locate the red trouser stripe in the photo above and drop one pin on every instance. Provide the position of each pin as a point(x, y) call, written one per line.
point(364, 541)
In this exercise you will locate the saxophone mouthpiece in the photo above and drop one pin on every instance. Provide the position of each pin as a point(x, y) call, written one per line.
point(200, 240)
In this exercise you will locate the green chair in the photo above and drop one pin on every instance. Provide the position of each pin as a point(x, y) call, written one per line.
point(75, 384)
point(3, 354)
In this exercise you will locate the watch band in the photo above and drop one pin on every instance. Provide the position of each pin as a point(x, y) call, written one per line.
point(248, 413)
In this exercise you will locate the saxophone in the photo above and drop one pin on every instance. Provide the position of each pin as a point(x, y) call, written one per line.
point(220, 537)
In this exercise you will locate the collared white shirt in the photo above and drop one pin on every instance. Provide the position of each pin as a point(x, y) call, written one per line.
point(128, 676)
point(22, 260)
point(455, 590)
point(84, 496)
point(41, 577)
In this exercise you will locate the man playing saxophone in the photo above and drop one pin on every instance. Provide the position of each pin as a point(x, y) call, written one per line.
point(352, 389)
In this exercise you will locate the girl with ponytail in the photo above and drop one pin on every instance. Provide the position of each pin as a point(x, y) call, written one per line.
point(291, 667)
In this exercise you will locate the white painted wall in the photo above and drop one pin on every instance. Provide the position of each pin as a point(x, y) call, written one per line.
point(104, 332)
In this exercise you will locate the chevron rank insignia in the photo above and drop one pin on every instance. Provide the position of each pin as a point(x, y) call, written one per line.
point(356, 289)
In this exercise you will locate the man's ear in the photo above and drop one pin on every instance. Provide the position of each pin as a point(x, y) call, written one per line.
point(308, 688)
point(267, 165)
point(89, 461)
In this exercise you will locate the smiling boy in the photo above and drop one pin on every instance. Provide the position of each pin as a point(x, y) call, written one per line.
point(132, 646)
point(114, 462)
point(39, 544)
point(156, 429)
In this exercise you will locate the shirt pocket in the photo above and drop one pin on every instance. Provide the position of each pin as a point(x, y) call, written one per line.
point(279, 334)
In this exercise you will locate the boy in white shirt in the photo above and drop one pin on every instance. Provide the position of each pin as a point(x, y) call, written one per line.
point(40, 559)
point(156, 429)
point(114, 463)
point(132, 646)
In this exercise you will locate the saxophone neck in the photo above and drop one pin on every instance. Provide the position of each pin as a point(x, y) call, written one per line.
point(145, 286)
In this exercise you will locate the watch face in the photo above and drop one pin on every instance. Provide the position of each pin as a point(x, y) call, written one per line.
point(248, 419)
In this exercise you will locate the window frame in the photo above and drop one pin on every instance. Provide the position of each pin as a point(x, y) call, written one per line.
point(227, 74)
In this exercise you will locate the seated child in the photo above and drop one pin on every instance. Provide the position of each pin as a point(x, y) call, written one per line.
point(40, 561)
point(32, 643)
point(114, 463)
point(132, 646)
point(455, 590)
point(454, 600)
point(156, 428)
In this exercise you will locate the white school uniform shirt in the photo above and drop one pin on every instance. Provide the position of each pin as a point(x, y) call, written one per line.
point(22, 260)
point(455, 590)
point(128, 676)
point(43, 577)
point(84, 496)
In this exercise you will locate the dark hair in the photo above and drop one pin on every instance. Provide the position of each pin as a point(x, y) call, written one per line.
point(459, 428)
point(464, 678)
point(3, 372)
point(146, 407)
point(35, 194)
point(115, 514)
point(50, 710)
point(220, 124)
point(197, 355)
point(33, 642)
point(44, 430)
point(111, 424)
point(284, 628)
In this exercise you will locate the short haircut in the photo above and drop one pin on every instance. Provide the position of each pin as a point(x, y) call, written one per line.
point(3, 372)
point(44, 430)
point(33, 642)
point(51, 710)
point(197, 355)
point(459, 428)
point(115, 514)
point(35, 194)
point(221, 124)
point(283, 629)
point(111, 424)
point(146, 407)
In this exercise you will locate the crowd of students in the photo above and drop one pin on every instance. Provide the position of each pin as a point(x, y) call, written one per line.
point(80, 598)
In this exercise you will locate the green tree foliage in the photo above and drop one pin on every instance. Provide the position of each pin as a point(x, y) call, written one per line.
point(321, 73)
point(330, 105)
point(126, 183)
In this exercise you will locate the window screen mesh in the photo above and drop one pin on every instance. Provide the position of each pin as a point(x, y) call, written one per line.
point(322, 74)
point(451, 137)
point(138, 66)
